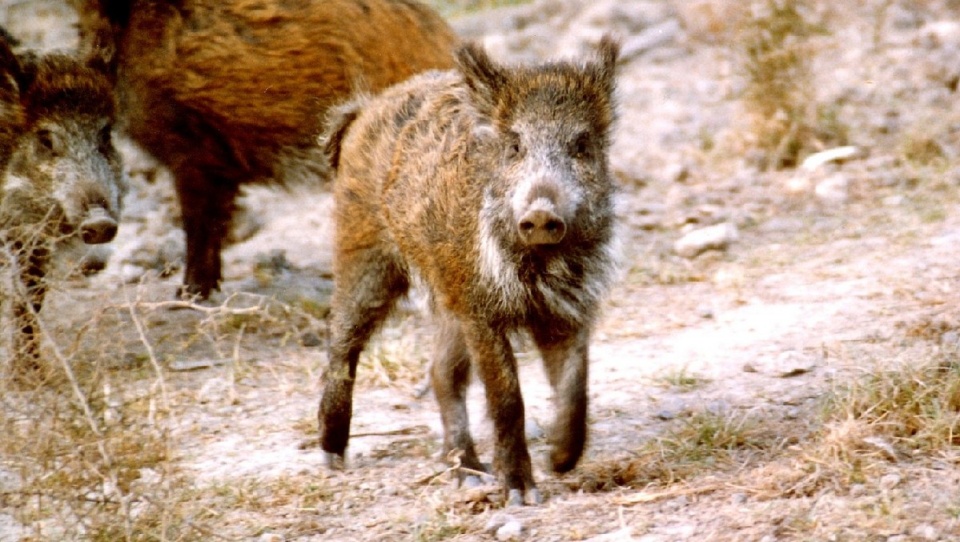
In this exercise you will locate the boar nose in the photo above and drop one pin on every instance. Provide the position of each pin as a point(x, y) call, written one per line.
point(98, 227)
point(541, 227)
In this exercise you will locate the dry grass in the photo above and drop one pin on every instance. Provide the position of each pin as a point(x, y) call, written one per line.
point(776, 51)
point(90, 449)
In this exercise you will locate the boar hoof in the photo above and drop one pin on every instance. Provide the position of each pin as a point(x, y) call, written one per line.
point(471, 481)
point(515, 497)
point(332, 461)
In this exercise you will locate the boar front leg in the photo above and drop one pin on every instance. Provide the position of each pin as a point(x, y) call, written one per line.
point(565, 357)
point(497, 368)
point(32, 262)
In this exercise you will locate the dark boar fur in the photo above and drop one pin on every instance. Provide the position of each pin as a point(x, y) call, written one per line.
point(490, 185)
point(227, 92)
point(60, 178)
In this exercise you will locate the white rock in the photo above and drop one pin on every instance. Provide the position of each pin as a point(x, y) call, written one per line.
point(890, 481)
point(511, 530)
point(621, 535)
point(818, 159)
point(834, 189)
point(717, 237)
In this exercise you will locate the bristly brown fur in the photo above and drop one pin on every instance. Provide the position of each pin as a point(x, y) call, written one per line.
point(233, 92)
point(490, 184)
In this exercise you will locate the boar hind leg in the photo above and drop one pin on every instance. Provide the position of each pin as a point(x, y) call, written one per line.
point(565, 360)
point(497, 368)
point(368, 284)
point(450, 375)
point(206, 204)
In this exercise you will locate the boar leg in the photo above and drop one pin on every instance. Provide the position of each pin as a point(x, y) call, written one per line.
point(368, 285)
point(206, 204)
point(450, 375)
point(32, 261)
point(565, 359)
point(497, 368)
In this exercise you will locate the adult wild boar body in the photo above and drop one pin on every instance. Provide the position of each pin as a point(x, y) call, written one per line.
point(60, 177)
point(228, 92)
point(490, 185)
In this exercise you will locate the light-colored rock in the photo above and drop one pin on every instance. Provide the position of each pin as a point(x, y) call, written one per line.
point(818, 159)
point(890, 481)
point(835, 189)
point(511, 530)
point(716, 237)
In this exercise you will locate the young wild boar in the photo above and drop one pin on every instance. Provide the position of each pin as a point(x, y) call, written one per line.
point(60, 178)
point(489, 184)
point(228, 92)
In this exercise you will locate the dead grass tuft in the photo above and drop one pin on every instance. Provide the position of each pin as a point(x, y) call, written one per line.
point(704, 443)
point(785, 120)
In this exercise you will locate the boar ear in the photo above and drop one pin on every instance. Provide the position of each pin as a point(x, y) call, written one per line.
point(605, 68)
point(99, 49)
point(10, 69)
point(483, 77)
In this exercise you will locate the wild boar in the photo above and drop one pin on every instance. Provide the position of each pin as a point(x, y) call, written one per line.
point(490, 185)
point(230, 92)
point(60, 176)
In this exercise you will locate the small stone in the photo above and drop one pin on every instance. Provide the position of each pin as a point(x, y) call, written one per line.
point(271, 537)
point(666, 414)
point(390, 491)
point(496, 521)
point(533, 429)
point(835, 189)
point(890, 481)
point(925, 531)
point(511, 530)
point(716, 237)
point(738, 498)
point(310, 340)
point(880, 444)
point(894, 200)
point(950, 338)
point(858, 490)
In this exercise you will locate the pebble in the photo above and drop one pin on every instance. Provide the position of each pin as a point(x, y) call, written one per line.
point(738, 498)
point(890, 481)
point(533, 429)
point(716, 237)
point(510, 530)
point(496, 521)
point(835, 189)
point(925, 531)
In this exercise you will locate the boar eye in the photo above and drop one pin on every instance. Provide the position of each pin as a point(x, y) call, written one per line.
point(581, 146)
point(103, 139)
point(514, 149)
point(47, 141)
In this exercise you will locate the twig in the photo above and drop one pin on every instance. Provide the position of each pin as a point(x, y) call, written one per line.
point(146, 343)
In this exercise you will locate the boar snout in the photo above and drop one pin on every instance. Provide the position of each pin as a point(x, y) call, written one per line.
point(98, 227)
point(541, 226)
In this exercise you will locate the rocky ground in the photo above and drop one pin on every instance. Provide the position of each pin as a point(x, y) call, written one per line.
point(754, 302)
